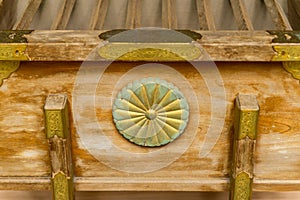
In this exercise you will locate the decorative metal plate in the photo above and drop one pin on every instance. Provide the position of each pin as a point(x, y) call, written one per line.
point(150, 112)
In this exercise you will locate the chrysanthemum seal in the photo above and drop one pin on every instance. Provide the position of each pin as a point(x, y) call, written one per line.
point(150, 112)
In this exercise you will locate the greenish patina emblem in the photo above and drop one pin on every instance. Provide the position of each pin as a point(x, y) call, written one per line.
point(150, 112)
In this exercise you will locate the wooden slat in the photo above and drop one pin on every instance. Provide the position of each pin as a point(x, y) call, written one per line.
point(99, 15)
point(278, 16)
point(26, 19)
point(241, 15)
point(169, 17)
point(7, 14)
point(133, 16)
point(205, 16)
point(294, 13)
point(63, 15)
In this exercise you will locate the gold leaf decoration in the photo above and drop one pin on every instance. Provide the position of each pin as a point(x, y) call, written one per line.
point(150, 112)
point(7, 68)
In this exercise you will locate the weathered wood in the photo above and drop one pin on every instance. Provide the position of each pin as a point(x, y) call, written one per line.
point(58, 134)
point(245, 133)
point(99, 15)
point(24, 22)
point(133, 14)
point(278, 16)
point(294, 13)
point(62, 18)
point(220, 46)
point(205, 16)
point(169, 16)
point(241, 15)
point(25, 161)
point(25, 183)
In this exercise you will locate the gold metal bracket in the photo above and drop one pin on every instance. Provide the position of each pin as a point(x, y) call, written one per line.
point(150, 45)
point(293, 68)
point(13, 45)
point(245, 130)
point(286, 45)
point(7, 68)
point(58, 134)
point(287, 53)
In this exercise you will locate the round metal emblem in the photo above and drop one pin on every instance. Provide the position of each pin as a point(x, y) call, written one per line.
point(150, 112)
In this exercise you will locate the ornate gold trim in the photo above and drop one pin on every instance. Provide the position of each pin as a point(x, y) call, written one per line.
point(149, 51)
point(7, 68)
point(58, 134)
point(287, 53)
point(242, 187)
point(245, 131)
point(61, 188)
point(293, 68)
point(13, 51)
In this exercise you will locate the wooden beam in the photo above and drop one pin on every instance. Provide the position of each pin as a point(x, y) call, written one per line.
point(99, 15)
point(278, 16)
point(63, 16)
point(133, 16)
point(58, 134)
point(294, 13)
point(26, 19)
point(241, 15)
point(221, 45)
point(205, 15)
point(245, 131)
point(169, 17)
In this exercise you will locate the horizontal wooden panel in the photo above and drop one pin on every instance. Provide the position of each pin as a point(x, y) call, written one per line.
point(277, 154)
point(219, 46)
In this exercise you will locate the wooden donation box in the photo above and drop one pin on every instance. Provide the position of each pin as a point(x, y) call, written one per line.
point(150, 109)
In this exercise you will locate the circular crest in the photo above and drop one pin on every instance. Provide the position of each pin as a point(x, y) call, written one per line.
point(150, 112)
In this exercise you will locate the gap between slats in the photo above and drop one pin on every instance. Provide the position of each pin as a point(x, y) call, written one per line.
point(205, 15)
point(134, 12)
point(99, 15)
point(169, 17)
point(26, 19)
point(279, 18)
point(63, 15)
point(241, 16)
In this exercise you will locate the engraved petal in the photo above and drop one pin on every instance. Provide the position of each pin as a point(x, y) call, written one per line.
point(150, 112)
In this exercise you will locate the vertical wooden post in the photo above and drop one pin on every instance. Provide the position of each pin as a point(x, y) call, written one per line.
point(58, 134)
point(245, 130)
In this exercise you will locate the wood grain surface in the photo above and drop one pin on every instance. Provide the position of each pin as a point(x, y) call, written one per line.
point(24, 159)
point(220, 46)
point(41, 195)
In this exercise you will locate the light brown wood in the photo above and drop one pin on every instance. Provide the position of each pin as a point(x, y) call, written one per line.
point(62, 18)
point(205, 16)
point(278, 16)
point(99, 15)
point(169, 16)
point(25, 161)
point(220, 46)
point(24, 22)
point(241, 16)
point(133, 16)
point(294, 13)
